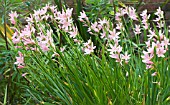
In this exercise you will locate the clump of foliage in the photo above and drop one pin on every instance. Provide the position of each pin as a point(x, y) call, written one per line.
point(112, 67)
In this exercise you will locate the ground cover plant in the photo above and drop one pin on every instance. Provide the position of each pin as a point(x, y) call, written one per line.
point(123, 62)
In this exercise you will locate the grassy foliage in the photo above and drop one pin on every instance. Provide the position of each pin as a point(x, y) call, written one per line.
point(117, 63)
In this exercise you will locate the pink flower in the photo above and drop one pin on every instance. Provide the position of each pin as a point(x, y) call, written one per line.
point(12, 16)
point(65, 24)
point(115, 56)
point(119, 26)
point(148, 43)
point(83, 16)
point(43, 46)
point(69, 12)
point(126, 57)
point(160, 52)
point(30, 19)
point(152, 34)
point(23, 75)
point(154, 74)
point(113, 34)
point(132, 13)
point(145, 18)
point(28, 41)
point(74, 32)
point(102, 22)
point(137, 29)
point(149, 66)
point(94, 26)
point(16, 38)
point(159, 13)
point(165, 42)
point(118, 16)
point(147, 58)
point(113, 48)
point(150, 50)
point(89, 48)
point(103, 35)
point(20, 60)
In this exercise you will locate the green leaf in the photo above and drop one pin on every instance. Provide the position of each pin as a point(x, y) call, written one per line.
point(5, 97)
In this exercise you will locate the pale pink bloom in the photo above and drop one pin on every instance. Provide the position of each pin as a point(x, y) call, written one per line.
point(147, 58)
point(161, 24)
point(123, 11)
point(126, 57)
point(66, 24)
point(49, 36)
point(16, 38)
point(28, 41)
point(148, 43)
point(62, 49)
point(115, 56)
point(53, 8)
point(103, 35)
point(36, 15)
point(151, 35)
point(132, 13)
point(99, 26)
point(149, 66)
point(157, 44)
point(157, 19)
point(145, 18)
point(30, 19)
point(117, 16)
point(159, 13)
point(150, 50)
point(94, 26)
point(160, 52)
point(43, 46)
point(46, 17)
point(87, 43)
point(43, 11)
point(119, 49)
point(161, 34)
point(165, 42)
point(113, 35)
point(89, 47)
point(26, 32)
point(145, 26)
point(113, 48)
point(37, 12)
point(74, 32)
point(137, 29)
point(154, 74)
point(20, 60)
point(83, 16)
point(12, 16)
point(89, 50)
point(144, 13)
point(23, 75)
point(77, 41)
point(69, 12)
point(102, 22)
point(116, 42)
point(119, 26)
point(55, 54)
